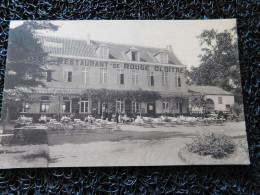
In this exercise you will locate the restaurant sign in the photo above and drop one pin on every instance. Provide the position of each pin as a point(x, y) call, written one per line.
point(105, 64)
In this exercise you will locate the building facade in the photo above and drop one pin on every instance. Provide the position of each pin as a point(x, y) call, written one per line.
point(217, 100)
point(76, 70)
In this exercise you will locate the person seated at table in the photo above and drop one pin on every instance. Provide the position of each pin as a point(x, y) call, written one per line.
point(125, 118)
point(139, 119)
point(113, 117)
point(163, 117)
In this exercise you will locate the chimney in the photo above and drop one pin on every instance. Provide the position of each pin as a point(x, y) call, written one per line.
point(169, 48)
point(88, 38)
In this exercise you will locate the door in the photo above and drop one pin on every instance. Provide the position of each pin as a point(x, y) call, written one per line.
point(210, 107)
point(95, 108)
point(104, 110)
point(180, 107)
point(228, 108)
point(150, 109)
point(75, 105)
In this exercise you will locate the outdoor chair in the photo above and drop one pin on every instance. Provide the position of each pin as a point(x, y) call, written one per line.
point(158, 121)
point(138, 121)
point(172, 122)
point(190, 121)
point(147, 119)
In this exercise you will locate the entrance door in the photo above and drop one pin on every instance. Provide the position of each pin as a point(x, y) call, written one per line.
point(95, 108)
point(104, 110)
point(210, 107)
point(150, 109)
point(75, 105)
point(180, 107)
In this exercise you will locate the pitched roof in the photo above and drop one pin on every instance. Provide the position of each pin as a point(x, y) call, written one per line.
point(208, 90)
point(78, 47)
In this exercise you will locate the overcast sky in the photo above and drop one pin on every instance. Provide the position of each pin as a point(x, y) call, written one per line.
point(181, 34)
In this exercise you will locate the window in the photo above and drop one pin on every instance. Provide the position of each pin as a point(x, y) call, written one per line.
point(179, 107)
point(46, 98)
point(103, 75)
point(135, 107)
point(84, 105)
point(228, 107)
point(151, 79)
point(85, 75)
point(44, 107)
point(165, 79)
point(49, 73)
point(119, 105)
point(164, 58)
point(134, 55)
point(135, 77)
point(103, 52)
point(66, 104)
point(67, 74)
point(120, 77)
point(45, 104)
point(220, 100)
point(25, 107)
point(178, 81)
point(166, 107)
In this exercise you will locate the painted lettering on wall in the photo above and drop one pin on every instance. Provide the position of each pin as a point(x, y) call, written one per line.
point(104, 64)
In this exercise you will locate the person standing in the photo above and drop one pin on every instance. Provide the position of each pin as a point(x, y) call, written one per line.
point(117, 117)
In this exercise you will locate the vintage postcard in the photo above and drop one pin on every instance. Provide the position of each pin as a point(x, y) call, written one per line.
point(122, 93)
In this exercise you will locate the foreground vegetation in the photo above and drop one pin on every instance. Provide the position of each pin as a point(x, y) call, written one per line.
point(213, 144)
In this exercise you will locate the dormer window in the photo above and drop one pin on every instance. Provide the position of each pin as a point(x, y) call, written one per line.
point(103, 51)
point(133, 54)
point(162, 57)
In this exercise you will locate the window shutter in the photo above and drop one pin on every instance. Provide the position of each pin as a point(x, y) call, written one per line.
point(87, 79)
point(105, 77)
point(176, 81)
point(101, 76)
point(118, 77)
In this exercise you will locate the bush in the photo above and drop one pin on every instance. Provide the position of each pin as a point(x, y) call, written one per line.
point(29, 136)
point(213, 144)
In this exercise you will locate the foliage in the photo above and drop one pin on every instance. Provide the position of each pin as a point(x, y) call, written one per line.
point(25, 62)
point(197, 100)
point(111, 95)
point(219, 63)
point(238, 110)
point(213, 144)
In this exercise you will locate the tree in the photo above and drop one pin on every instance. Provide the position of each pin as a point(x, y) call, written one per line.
point(219, 63)
point(198, 101)
point(26, 62)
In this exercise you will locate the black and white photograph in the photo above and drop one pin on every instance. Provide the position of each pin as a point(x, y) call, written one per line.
point(122, 93)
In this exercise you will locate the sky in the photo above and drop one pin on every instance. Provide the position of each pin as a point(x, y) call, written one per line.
point(181, 34)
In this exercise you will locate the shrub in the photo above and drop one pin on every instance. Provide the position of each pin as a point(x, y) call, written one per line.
point(213, 144)
point(29, 136)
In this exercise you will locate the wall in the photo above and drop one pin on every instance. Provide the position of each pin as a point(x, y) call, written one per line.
point(94, 76)
point(226, 99)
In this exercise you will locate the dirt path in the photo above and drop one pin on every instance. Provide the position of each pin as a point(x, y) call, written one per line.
point(122, 153)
